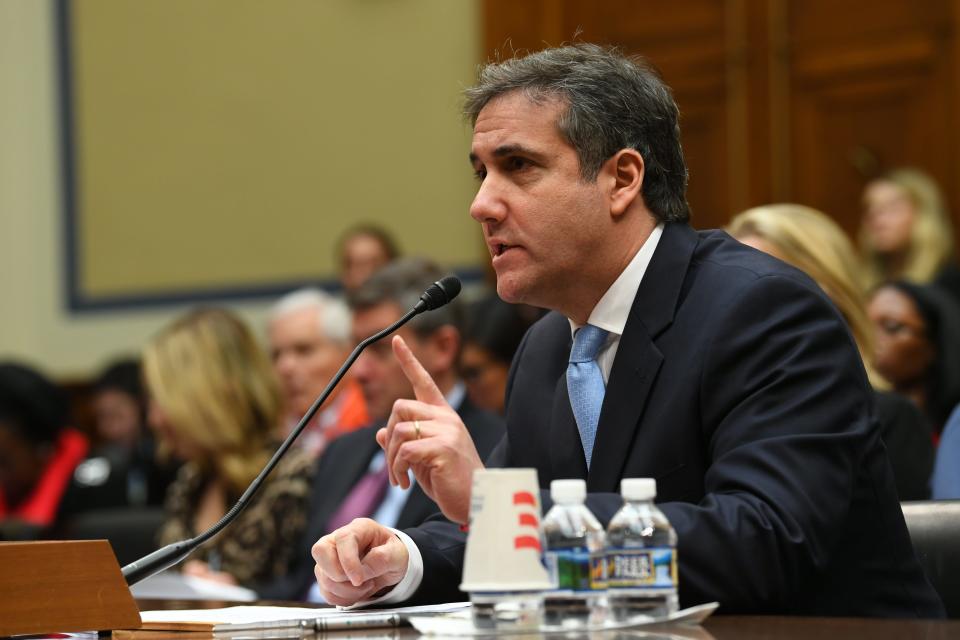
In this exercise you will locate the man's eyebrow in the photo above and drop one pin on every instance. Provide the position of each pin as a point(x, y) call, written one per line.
point(509, 150)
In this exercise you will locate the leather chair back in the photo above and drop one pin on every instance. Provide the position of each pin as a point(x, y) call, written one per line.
point(132, 532)
point(935, 530)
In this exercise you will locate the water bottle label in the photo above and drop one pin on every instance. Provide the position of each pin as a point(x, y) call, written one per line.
point(652, 567)
point(575, 570)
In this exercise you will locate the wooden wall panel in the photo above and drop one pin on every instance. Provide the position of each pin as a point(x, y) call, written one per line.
point(848, 133)
point(872, 89)
point(686, 41)
point(514, 26)
point(799, 100)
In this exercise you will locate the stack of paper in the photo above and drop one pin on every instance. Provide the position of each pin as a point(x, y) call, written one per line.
point(257, 618)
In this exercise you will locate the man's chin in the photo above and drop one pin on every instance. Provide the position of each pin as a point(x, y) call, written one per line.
point(510, 290)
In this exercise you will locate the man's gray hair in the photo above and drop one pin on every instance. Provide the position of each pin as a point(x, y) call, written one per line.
point(613, 102)
point(402, 282)
point(333, 313)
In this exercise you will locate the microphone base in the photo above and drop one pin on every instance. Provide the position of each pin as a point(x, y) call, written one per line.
point(154, 563)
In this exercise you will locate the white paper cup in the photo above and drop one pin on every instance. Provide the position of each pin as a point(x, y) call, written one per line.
point(505, 541)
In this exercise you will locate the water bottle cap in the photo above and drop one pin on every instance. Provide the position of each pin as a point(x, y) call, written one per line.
point(638, 488)
point(568, 490)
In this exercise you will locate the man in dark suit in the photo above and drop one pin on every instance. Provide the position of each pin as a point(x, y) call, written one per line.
point(350, 479)
point(673, 354)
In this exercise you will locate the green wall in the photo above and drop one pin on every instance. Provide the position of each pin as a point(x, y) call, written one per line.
point(222, 143)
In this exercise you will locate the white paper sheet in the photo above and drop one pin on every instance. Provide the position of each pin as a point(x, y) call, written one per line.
point(173, 585)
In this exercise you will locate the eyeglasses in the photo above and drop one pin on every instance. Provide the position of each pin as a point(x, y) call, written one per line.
point(895, 327)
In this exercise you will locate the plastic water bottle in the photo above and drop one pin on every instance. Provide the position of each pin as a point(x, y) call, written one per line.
point(574, 558)
point(641, 555)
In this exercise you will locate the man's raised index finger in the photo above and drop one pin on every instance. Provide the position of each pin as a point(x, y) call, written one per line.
point(423, 385)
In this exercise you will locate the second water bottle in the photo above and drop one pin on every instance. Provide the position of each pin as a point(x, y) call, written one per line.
point(575, 559)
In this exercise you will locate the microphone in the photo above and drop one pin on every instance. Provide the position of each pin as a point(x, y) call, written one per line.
point(438, 294)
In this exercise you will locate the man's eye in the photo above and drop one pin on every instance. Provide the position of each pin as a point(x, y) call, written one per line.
point(480, 174)
point(516, 164)
point(304, 349)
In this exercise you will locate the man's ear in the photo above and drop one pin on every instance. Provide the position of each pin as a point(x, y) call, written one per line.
point(625, 170)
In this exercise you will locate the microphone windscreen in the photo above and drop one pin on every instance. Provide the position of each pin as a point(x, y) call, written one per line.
point(440, 292)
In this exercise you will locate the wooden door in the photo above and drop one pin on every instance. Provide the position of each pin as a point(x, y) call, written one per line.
point(780, 100)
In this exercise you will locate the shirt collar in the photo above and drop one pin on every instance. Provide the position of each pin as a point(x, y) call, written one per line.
point(456, 396)
point(613, 309)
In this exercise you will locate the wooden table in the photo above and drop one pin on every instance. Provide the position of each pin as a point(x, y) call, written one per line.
point(790, 628)
point(717, 627)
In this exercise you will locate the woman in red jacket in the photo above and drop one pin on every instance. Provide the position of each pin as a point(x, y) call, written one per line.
point(38, 452)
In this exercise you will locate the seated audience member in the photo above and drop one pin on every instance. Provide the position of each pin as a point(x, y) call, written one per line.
point(945, 482)
point(906, 233)
point(38, 452)
point(669, 353)
point(812, 242)
point(214, 403)
point(494, 329)
point(918, 346)
point(119, 407)
point(309, 335)
point(121, 469)
point(351, 479)
point(362, 250)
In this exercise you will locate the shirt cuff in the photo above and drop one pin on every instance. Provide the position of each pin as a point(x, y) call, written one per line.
point(411, 579)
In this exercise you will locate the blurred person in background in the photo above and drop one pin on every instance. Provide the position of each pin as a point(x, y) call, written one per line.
point(215, 403)
point(121, 469)
point(119, 406)
point(494, 329)
point(810, 241)
point(38, 452)
point(906, 233)
point(309, 335)
point(362, 250)
point(918, 345)
point(351, 478)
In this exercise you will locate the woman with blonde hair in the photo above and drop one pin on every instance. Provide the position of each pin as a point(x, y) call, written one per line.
point(214, 403)
point(810, 241)
point(906, 233)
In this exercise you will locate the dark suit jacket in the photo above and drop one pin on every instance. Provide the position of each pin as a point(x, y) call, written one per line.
point(738, 387)
point(344, 462)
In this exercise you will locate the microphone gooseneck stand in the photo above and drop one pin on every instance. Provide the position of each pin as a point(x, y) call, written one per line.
point(437, 295)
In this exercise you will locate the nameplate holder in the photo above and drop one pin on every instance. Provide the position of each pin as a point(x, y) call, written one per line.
point(63, 586)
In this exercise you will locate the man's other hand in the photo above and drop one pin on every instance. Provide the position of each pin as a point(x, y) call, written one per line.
point(358, 561)
point(428, 437)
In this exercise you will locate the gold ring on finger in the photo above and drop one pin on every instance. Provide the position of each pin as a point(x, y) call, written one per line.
point(416, 428)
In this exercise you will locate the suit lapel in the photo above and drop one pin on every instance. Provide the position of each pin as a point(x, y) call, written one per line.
point(638, 359)
point(634, 371)
point(331, 487)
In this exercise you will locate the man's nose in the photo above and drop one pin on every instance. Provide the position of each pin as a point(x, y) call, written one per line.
point(283, 363)
point(488, 205)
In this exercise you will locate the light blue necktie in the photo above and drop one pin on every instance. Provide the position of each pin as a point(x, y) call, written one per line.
point(585, 384)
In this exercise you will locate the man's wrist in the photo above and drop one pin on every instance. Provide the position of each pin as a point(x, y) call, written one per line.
point(408, 585)
point(411, 580)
